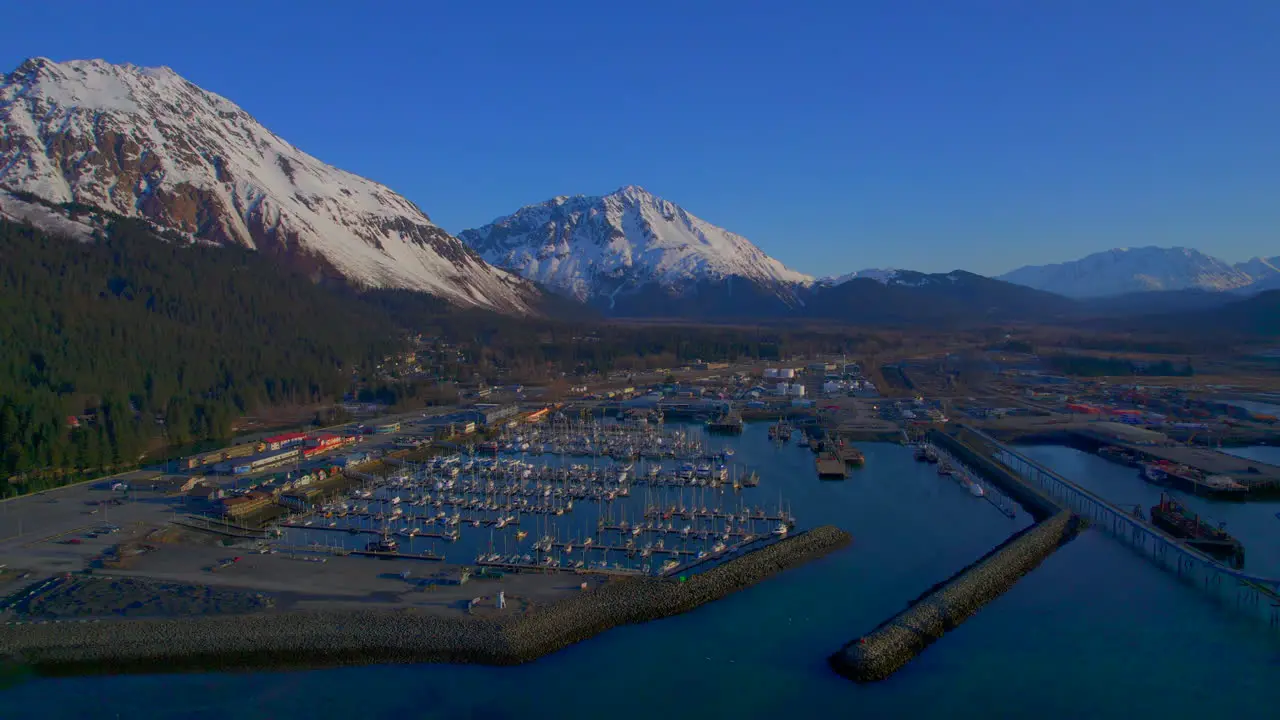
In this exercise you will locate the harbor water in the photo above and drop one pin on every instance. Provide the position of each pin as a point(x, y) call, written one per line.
point(1096, 631)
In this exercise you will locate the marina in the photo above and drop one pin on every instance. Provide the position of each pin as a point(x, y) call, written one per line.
point(1099, 594)
point(648, 499)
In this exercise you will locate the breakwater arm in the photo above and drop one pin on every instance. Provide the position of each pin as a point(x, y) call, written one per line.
point(883, 651)
point(896, 641)
point(328, 638)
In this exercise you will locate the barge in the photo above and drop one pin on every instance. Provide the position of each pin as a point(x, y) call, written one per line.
point(1174, 518)
point(1186, 478)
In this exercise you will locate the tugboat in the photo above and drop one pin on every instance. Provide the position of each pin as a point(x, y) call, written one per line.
point(1174, 518)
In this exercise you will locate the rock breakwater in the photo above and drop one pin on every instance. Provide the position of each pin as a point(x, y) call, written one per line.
point(883, 651)
point(345, 637)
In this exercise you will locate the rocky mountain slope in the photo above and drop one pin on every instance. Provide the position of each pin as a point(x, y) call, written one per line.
point(1145, 269)
point(613, 249)
point(144, 142)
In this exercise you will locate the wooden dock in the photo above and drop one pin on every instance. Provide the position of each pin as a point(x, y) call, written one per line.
point(370, 531)
point(672, 513)
point(531, 567)
point(398, 555)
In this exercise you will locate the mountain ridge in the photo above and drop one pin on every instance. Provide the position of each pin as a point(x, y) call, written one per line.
point(1121, 271)
point(596, 248)
point(144, 142)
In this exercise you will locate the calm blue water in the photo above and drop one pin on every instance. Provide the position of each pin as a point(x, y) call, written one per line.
point(1269, 454)
point(1096, 631)
point(1254, 522)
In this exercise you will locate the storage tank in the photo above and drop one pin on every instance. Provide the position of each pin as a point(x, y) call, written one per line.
point(787, 373)
point(797, 390)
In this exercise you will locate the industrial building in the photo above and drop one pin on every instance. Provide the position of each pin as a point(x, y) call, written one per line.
point(488, 414)
point(285, 440)
point(242, 505)
point(254, 463)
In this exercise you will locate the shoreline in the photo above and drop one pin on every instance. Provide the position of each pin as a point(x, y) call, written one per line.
point(329, 638)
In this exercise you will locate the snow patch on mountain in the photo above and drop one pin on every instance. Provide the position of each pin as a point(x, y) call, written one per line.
point(598, 246)
point(882, 275)
point(17, 210)
point(144, 142)
point(1130, 270)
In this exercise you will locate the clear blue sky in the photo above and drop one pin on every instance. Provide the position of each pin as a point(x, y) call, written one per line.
point(929, 134)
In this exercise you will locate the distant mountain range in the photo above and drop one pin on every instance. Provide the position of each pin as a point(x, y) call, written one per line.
point(1148, 269)
point(145, 143)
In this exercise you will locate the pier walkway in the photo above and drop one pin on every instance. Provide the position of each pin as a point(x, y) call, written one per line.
point(1259, 596)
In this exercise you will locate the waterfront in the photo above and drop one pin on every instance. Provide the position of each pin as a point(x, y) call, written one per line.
point(1253, 522)
point(1096, 631)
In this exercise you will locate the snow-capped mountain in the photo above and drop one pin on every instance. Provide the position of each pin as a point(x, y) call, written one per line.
point(599, 248)
point(1130, 270)
point(145, 142)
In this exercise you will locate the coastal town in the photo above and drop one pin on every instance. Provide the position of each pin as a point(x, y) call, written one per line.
point(481, 508)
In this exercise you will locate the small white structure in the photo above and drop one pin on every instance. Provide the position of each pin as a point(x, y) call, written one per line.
point(797, 390)
point(787, 373)
point(771, 372)
point(502, 600)
point(781, 389)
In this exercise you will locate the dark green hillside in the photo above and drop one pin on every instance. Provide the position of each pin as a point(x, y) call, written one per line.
point(130, 329)
point(956, 299)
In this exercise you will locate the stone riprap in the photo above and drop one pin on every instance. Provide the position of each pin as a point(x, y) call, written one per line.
point(883, 651)
point(880, 653)
point(345, 637)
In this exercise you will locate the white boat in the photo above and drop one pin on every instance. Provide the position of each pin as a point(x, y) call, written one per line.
point(781, 530)
point(976, 490)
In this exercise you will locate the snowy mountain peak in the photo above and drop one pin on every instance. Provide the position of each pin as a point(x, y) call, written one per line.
point(144, 142)
point(1129, 270)
point(599, 246)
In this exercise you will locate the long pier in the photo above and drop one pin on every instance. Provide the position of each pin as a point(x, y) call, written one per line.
point(1257, 595)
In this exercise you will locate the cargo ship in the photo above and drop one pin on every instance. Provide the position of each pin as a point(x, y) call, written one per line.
point(1174, 518)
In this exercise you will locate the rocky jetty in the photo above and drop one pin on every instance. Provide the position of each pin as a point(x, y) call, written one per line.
point(883, 651)
point(343, 637)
